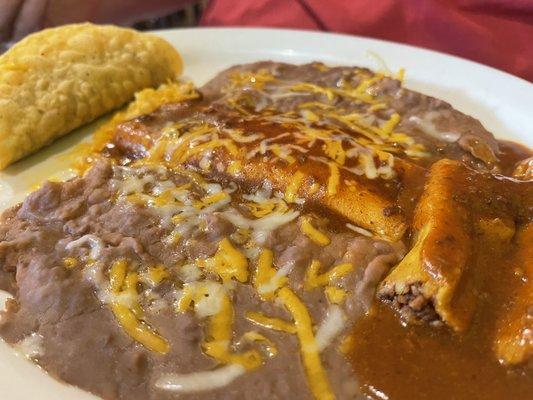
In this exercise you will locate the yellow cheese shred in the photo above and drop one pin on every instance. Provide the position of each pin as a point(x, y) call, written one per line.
point(312, 233)
point(130, 287)
point(157, 274)
point(264, 208)
point(310, 87)
point(366, 83)
point(377, 107)
point(212, 144)
point(166, 197)
point(284, 155)
point(174, 236)
point(269, 346)
point(400, 75)
point(179, 146)
point(219, 331)
point(117, 273)
point(334, 294)
point(313, 279)
point(265, 280)
point(334, 177)
point(291, 193)
point(315, 104)
point(270, 322)
point(214, 198)
point(316, 375)
point(389, 126)
point(139, 330)
point(234, 168)
point(309, 115)
point(220, 335)
point(228, 262)
point(248, 78)
point(334, 150)
point(121, 282)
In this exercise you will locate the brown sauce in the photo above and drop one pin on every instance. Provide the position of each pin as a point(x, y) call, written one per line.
point(395, 360)
point(510, 154)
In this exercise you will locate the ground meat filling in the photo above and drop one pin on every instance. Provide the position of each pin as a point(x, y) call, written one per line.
point(413, 306)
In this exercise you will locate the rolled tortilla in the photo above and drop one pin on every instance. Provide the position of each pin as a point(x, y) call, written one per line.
point(309, 179)
point(464, 220)
point(514, 332)
point(61, 78)
point(435, 265)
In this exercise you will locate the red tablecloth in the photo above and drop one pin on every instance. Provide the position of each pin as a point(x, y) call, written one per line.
point(494, 32)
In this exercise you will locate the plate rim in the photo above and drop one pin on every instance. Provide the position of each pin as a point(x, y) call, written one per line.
point(524, 85)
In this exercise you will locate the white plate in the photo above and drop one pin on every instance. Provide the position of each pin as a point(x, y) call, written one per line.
point(500, 101)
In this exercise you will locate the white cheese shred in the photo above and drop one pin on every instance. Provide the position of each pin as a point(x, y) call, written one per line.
point(200, 381)
point(329, 329)
point(359, 230)
point(95, 244)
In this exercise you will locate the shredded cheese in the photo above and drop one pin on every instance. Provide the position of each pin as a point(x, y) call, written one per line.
point(219, 337)
point(95, 244)
point(334, 177)
point(359, 230)
point(269, 346)
point(335, 151)
point(234, 168)
point(267, 206)
point(283, 153)
point(334, 294)
point(389, 126)
point(270, 322)
point(291, 192)
point(139, 330)
point(117, 274)
point(316, 375)
point(256, 79)
point(123, 283)
point(266, 279)
point(205, 295)
point(312, 233)
point(310, 87)
point(200, 381)
point(366, 83)
point(267, 223)
point(313, 279)
point(156, 275)
point(228, 262)
point(400, 75)
point(215, 198)
point(217, 306)
point(330, 328)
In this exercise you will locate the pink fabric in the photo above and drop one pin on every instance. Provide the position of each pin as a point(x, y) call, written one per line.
point(498, 33)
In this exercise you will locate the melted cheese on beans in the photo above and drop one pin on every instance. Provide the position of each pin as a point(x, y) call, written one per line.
point(345, 142)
